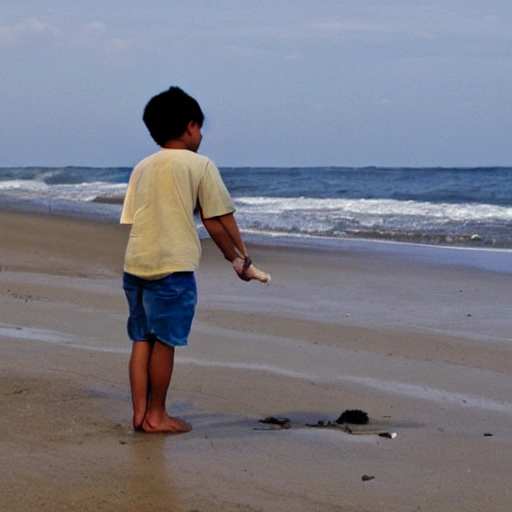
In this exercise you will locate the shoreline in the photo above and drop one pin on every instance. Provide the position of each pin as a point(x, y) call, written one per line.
point(421, 343)
point(107, 208)
point(471, 255)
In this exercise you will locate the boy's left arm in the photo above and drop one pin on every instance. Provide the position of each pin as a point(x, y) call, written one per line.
point(230, 225)
point(224, 241)
point(226, 235)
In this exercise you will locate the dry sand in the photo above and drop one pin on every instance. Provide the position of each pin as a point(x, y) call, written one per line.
point(424, 347)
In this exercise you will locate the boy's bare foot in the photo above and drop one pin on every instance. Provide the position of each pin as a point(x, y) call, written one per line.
point(139, 413)
point(137, 423)
point(166, 425)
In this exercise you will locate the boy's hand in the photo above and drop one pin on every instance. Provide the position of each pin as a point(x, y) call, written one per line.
point(240, 268)
point(247, 271)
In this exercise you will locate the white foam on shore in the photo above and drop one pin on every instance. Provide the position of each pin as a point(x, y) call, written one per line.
point(47, 336)
point(410, 390)
point(432, 394)
point(393, 387)
point(28, 333)
point(246, 366)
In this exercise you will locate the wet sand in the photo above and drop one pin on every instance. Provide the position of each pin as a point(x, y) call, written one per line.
point(422, 344)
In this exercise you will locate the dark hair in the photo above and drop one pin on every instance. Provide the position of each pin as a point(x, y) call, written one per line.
point(168, 114)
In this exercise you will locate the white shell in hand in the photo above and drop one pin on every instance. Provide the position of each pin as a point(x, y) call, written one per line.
point(256, 273)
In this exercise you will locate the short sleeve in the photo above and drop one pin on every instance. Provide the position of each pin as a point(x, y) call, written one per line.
point(213, 195)
point(128, 211)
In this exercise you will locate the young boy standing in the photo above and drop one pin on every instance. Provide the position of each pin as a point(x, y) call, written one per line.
point(164, 250)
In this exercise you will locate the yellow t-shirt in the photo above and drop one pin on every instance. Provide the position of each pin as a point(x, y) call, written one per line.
point(163, 192)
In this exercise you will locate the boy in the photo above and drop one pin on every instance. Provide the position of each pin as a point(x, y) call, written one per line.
point(163, 250)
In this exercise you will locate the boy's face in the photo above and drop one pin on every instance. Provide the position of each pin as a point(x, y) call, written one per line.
point(195, 136)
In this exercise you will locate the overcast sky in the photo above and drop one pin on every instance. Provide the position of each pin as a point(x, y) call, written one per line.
point(281, 82)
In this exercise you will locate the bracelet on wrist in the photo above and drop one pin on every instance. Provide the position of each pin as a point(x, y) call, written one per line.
point(247, 262)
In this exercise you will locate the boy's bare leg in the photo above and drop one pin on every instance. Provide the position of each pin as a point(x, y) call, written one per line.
point(139, 380)
point(161, 364)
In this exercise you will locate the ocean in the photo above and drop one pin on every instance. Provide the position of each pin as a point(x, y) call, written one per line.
point(462, 207)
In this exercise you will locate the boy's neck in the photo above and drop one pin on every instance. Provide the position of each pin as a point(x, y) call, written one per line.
point(190, 139)
point(175, 144)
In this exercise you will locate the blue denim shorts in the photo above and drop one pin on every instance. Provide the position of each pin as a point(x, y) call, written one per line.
point(161, 309)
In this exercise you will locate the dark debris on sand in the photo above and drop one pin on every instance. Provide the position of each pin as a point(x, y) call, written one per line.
point(348, 417)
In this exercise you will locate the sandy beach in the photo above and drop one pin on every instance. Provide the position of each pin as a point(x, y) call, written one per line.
point(422, 344)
